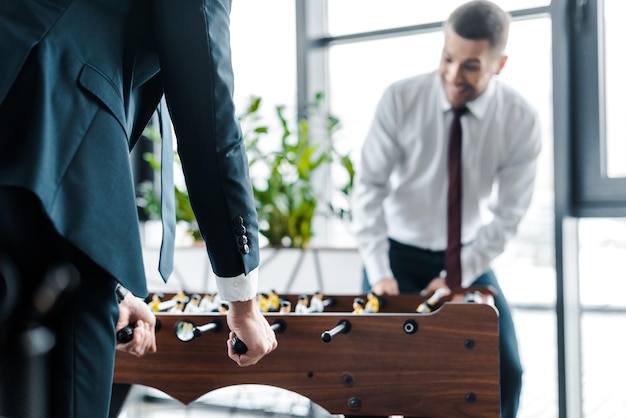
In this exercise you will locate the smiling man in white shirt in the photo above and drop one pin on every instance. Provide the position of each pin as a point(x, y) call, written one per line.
point(400, 203)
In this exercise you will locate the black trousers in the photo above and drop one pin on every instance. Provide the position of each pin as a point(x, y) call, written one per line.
point(76, 362)
point(415, 267)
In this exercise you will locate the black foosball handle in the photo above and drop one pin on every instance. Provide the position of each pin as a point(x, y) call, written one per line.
point(125, 335)
point(240, 347)
point(343, 326)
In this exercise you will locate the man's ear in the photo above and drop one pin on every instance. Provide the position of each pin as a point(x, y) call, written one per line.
point(501, 63)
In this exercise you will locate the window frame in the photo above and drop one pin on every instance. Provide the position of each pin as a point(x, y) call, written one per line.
point(594, 194)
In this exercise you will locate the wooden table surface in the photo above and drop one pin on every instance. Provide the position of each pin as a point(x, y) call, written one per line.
point(396, 362)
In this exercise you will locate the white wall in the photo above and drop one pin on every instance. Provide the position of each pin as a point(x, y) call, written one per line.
point(339, 271)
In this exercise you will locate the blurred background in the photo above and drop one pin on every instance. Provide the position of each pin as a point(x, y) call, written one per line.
point(563, 273)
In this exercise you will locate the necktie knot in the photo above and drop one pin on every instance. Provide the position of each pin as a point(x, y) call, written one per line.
point(459, 111)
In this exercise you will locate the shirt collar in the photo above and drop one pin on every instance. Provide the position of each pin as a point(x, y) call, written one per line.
point(477, 107)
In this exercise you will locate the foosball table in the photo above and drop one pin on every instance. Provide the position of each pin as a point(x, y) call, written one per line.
point(349, 359)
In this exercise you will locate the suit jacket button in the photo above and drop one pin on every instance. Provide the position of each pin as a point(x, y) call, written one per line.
point(238, 220)
point(243, 239)
point(240, 230)
point(245, 249)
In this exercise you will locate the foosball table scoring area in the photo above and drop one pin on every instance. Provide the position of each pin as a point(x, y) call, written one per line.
point(394, 362)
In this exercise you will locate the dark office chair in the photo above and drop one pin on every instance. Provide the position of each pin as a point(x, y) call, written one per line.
point(25, 343)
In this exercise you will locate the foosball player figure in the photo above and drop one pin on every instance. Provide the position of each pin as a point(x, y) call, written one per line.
point(273, 301)
point(302, 305)
point(209, 302)
point(285, 306)
point(317, 303)
point(193, 305)
point(181, 295)
point(155, 301)
point(179, 307)
point(373, 304)
point(170, 304)
point(223, 309)
point(473, 297)
point(476, 296)
point(262, 301)
point(431, 303)
point(358, 306)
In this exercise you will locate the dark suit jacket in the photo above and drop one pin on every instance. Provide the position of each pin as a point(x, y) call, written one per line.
point(80, 79)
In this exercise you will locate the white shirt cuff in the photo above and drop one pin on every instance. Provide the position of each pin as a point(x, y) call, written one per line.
point(239, 288)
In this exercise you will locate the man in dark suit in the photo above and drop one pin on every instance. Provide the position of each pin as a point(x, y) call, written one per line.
point(79, 81)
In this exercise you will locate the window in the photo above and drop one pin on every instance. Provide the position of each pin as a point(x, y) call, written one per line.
point(602, 258)
point(353, 16)
point(614, 87)
point(599, 173)
point(263, 45)
point(601, 192)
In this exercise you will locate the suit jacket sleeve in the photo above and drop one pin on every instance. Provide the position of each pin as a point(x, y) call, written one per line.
point(194, 51)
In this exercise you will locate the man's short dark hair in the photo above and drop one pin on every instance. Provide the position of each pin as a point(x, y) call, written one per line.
point(481, 19)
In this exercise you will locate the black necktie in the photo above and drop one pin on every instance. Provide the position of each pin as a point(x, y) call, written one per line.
point(455, 200)
point(168, 208)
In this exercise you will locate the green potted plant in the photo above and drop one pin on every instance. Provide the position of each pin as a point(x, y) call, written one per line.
point(284, 159)
point(284, 172)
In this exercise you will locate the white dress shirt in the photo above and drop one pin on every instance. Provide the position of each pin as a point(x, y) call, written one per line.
point(240, 288)
point(400, 190)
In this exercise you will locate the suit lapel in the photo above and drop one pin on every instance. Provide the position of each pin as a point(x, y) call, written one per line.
point(23, 23)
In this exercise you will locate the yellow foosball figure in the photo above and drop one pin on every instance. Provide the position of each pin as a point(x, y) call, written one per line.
point(155, 301)
point(273, 301)
point(262, 301)
point(430, 303)
point(358, 306)
point(373, 304)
